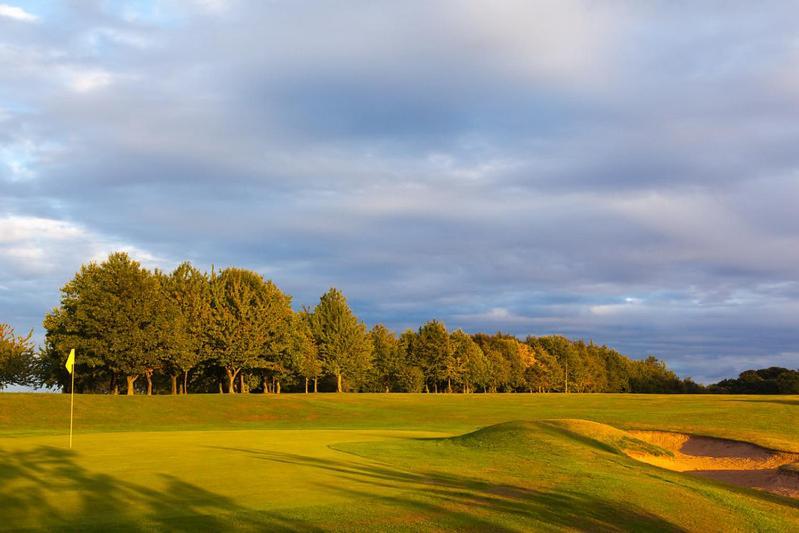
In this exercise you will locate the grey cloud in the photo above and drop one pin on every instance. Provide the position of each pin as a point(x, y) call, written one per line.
point(621, 172)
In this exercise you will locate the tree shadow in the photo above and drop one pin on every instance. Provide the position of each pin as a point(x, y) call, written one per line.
point(46, 488)
point(462, 502)
point(778, 402)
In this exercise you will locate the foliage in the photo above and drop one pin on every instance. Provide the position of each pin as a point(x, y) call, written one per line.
point(16, 357)
point(250, 320)
point(773, 380)
point(344, 343)
point(234, 330)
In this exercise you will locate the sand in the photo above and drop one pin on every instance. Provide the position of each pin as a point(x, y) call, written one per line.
point(738, 463)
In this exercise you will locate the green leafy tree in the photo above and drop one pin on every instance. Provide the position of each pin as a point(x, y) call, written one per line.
point(499, 370)
point(388, 359)
point(16, 357)
point(248, 321)
point(476, 371)
point(305, 356)
point(281, 336)
point(111, 314)
point(344, 344)
point(432, 350)
point(410, 377)
point(188, 300)
point(458, 360)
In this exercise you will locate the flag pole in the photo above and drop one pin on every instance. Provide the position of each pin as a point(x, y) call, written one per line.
point(71, 405)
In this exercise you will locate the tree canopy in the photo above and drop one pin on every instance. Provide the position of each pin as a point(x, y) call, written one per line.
point(16, 357)
point(232, 330)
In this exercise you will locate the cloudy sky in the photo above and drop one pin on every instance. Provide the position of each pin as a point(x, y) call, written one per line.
point(626, 172)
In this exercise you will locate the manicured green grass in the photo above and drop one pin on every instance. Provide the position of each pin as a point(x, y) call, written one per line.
point(388, 462)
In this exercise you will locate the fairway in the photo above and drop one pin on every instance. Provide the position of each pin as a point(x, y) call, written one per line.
point(387, 462)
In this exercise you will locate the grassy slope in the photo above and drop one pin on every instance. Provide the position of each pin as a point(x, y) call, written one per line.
point(156, 463)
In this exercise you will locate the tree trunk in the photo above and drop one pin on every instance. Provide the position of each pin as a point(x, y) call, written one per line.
point(131, 382)
point(449, 385)
point(185, 382)
point(306, 385)
point(174, 379)
point(149, 375)
point(338, 382)
point(435, 387)
point(315, 381)
point(231, 374)
point(277, 387)
point(242, 385)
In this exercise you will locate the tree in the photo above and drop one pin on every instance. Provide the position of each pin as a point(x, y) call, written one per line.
point(462, 350)
point(343, 341)
point(517, 357)
point(499, 370)
point(568, 359)
point(188, 292)
point(545, 374)
point(16, 357)
point(248, 316)
point(476, 370)
point(282, 339)
point(410, 377)
point(110, 313)
point(431, 350)
point(388, 360)
point(305, 355)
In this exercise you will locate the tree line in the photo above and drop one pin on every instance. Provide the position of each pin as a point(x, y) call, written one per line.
point(772, 380)
point(142, 331)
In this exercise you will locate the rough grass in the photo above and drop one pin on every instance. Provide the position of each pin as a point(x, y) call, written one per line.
point(387, 462)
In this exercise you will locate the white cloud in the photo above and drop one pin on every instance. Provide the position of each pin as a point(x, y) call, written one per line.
point(83, 81)
point(36, 246)
point(213, 6)
point(16, 13)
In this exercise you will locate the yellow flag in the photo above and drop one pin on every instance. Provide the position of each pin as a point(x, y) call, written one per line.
point(70, 360)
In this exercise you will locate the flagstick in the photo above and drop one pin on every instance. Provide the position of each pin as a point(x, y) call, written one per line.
point(71, 404)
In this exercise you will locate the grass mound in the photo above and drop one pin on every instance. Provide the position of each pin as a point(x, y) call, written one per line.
point(522, 435)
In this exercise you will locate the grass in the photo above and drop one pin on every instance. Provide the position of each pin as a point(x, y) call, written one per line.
point(388, 462)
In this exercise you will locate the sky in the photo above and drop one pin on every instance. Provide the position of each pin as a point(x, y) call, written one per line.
point(622, 172)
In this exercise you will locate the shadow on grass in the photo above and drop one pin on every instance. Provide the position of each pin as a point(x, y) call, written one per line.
point(461, 502)
point(46, 488)
point(764, 400)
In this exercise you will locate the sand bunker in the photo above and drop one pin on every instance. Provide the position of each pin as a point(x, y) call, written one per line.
point(737, 463)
